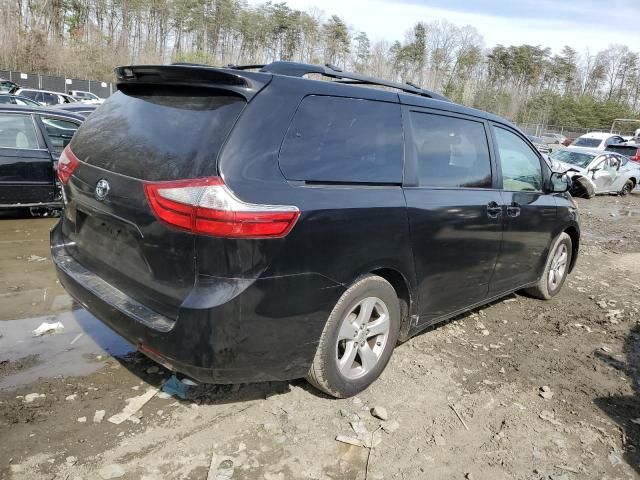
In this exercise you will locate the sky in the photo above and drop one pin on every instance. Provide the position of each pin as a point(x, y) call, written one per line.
point(583, 24)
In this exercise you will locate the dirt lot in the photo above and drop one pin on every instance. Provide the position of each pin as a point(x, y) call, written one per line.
point(463, 399)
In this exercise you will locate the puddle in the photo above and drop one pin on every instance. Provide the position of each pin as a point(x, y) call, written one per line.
point(56, 356)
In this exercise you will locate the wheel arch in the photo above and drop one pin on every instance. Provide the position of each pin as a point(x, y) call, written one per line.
point(575, 244)
point(405, 295)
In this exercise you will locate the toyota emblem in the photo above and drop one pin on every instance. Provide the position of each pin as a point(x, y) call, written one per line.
point(102, 189)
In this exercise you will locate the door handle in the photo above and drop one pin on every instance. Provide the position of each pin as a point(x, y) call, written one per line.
point(493, 210)
point(513, 210)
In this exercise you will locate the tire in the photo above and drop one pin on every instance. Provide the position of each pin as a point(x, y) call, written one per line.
point(556, 266)
point(627, 188)
point(350, 354)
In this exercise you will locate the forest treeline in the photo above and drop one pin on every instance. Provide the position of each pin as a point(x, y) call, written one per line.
point(526, 83)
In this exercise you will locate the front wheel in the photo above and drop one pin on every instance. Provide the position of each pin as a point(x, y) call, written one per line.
point(358, 339)
point(556, 269)
point(627, 188)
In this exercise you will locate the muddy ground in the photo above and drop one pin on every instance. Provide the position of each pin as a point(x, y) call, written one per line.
point(488, 367)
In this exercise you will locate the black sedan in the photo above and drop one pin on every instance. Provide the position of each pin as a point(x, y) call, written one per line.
point(31, 140)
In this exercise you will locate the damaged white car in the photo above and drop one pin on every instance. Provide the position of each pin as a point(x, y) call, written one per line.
point(594, 171)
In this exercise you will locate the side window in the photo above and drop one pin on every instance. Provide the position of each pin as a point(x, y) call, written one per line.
point(451, 152)
point(50, 99)
point(59, 132)
point(521, 169)
point(17, 131)
point(334, 139)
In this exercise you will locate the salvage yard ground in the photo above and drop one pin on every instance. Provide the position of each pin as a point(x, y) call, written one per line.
point(521, 389)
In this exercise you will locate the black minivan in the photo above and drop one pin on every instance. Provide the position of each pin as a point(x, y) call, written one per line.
point(242, 226)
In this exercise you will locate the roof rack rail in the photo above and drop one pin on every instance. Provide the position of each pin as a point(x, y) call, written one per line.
point(294, 69)
point(245, 67)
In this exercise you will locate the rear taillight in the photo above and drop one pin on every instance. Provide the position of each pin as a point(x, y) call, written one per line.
point(67, 164)
point(207, 206)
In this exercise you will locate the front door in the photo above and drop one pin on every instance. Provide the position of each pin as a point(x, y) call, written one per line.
point(26, 173)
point(455, 213)
point(530, 214)
point(605, 173)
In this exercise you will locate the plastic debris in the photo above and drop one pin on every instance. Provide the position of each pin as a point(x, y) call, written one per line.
point(350, 441)
point(46, 328)
point(173, 386)
point(30, 397)
point(133, 405)
point(75, 339)
point(36, 258)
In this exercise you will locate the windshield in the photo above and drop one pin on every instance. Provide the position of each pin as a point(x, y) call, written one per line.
point(586, 142)
point(574, 158)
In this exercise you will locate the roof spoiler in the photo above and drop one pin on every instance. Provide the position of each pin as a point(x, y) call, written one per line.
point(247, 84)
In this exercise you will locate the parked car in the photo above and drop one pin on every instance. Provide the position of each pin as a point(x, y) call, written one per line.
point(86, 97)
point(605, 172)
point(240, 226)
point(631, 150)
point(78, 108)
point(539, 143)
point(31, 140)
point(597, 140)
point(45, 97)
point(7, 99)
point(6, 86)
point(553, 138)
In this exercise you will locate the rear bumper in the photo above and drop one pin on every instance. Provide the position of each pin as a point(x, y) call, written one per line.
point(268, 332)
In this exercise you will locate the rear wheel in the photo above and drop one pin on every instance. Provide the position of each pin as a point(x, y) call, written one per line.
point(627, 188)
point(556, 269)
point(358, 339)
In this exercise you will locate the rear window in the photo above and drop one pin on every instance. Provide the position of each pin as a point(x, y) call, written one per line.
point(344, 140)
point(627, 150)
point(158, 132)
point(586, 142)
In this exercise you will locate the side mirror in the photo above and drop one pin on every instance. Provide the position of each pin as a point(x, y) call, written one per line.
point(559, 182)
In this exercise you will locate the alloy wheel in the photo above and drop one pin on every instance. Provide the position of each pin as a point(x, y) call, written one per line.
point(558, 267)
point(362, 337)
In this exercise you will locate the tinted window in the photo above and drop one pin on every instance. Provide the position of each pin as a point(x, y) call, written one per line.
point(17, 131)
point(521, 169)
point(29, 94)
point(628, 150)
point(59, 132)
point(451, 152)
point(158, 132)
point(335, 139)
point(5, 99)
point(587, 142)
point(50, 98)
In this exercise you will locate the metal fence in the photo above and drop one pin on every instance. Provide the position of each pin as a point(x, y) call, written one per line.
point(539, 130)
point(58, 84)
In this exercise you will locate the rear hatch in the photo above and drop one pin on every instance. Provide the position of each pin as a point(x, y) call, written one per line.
point(164, 124)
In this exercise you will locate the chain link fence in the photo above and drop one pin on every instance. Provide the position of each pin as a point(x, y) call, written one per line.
point(58, 84)
point(541, 130)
